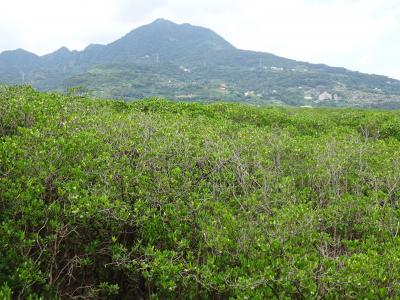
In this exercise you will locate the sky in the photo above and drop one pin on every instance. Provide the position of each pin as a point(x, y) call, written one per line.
point(361, 35)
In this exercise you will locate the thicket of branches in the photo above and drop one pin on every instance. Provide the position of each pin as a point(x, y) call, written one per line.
point(155, 199)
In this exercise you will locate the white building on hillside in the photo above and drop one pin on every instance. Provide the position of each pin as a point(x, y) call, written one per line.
point(325, 96)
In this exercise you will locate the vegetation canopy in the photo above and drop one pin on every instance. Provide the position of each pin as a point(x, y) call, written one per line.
point(162, 200)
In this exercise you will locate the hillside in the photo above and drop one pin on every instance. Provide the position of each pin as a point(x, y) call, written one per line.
point(193, 63)
point(169, 200)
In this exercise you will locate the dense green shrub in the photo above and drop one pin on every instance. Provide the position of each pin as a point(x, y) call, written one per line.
point(156, 199)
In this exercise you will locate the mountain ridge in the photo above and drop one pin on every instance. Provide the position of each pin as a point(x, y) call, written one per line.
point(194, 63)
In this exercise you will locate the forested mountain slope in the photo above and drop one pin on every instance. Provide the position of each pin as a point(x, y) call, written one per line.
point(196, 64)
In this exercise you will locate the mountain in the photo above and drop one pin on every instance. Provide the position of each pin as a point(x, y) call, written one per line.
point(194, 63)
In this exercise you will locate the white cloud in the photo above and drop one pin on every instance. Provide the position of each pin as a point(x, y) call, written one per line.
point(357, 34)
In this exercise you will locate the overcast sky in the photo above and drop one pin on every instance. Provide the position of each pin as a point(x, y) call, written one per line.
point(361, 35)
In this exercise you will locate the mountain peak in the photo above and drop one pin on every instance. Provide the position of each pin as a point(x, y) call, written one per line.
point(169, 41)
point(19, 55)
point(64, 49)
point(58, 56)
point(162, 21)
point(18, 51)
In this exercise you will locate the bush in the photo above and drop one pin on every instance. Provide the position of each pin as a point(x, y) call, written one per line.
point(156, 199)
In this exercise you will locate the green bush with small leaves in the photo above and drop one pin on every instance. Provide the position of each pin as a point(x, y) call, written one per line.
point(163, 200)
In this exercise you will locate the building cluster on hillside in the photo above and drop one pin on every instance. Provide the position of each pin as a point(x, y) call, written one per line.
point(326, 96)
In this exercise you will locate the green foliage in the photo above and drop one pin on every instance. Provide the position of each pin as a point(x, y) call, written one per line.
point(5, 292)
point(163, 200)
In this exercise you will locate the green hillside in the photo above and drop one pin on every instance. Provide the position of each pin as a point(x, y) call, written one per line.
point(156, 199)
point(186, 62)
